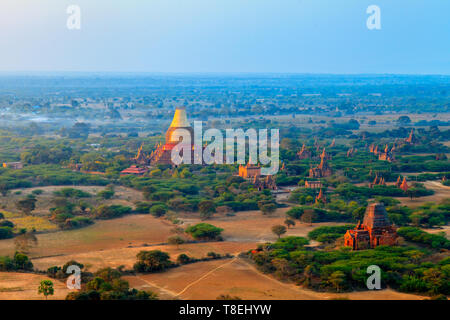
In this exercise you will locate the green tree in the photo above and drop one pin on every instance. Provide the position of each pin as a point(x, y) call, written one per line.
point(295, 212)
point(151, 261)
point(46, 288)
point(158, 210)
point(404, 120)
point(204, 231)
point(289, 223)
point(337, 279)
point(279, 230)
point(206, 208)
point(268, 208)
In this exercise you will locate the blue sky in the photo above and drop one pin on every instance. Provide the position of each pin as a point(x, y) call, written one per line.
point(299, 36)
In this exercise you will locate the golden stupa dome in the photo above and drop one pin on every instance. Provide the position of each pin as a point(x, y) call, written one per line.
point(180, 119)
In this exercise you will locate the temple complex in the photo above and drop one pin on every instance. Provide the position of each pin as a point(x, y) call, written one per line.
point(375, 230)
point(163, 154)
point(323, 169)
point(265, 183)
point(252, 172)
point(378, 181)
point(387, 155)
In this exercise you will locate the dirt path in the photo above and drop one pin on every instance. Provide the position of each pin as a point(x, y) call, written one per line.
point(208, 280)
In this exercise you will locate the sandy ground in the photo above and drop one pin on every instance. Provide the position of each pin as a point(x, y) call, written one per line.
point(236, 277)
point(116, 242)
point(441, 192)
point(24, 286)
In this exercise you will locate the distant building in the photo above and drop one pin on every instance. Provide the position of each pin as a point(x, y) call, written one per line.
point(321, 197)
point(141, 158)
point(351, 152)
point(404, 186)
point(333, 143)
point(323, 169)
point(399, 182)
point(265, 183)
point(412, 139)
point(313, 184)
point(134, 170)
point(378, 181)
point(13, 165)
point(387, 155)
point(376, 230)
point(249, 171)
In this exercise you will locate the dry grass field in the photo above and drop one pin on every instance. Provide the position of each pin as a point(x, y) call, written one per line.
point(24, 286)
point(133, 230)
point(114, 243)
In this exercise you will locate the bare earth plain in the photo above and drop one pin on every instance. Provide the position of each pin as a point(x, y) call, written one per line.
point(114, 243)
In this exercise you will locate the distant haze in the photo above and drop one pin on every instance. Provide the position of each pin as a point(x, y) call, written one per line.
point(295, 36)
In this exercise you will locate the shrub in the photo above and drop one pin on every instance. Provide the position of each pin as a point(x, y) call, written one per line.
point(22, 262)
point(332, 231)
point(204, 231)
point(6, 232)
point(184, 259)
point(158, 210)
point(417, 235)
point(213, 255)
point(106, 194)
point(143, 207)
point(110, 212)
point(151, 261)
point(6, 223)
point(6, 264)
point(77, 222)
point(72, 193)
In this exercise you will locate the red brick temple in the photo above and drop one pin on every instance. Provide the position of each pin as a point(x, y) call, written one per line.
point(376, 230)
